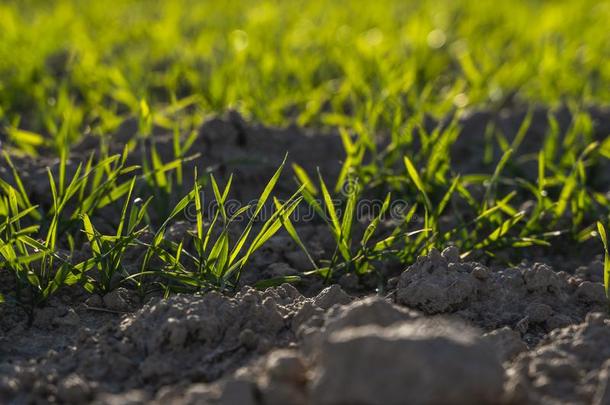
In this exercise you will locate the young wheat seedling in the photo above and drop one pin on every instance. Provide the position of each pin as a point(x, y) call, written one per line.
point(604, 237)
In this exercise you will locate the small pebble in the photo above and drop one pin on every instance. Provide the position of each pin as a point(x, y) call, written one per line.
point(451, 254)
point(73, 389)
point(480, 273)
point(248, 338)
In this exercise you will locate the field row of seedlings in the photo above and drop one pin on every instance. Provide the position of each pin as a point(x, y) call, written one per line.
point(106, 209)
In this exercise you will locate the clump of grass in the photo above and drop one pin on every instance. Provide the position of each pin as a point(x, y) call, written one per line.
point(108, 250)
point(215, 260)
point(348, 255)
point(33, 257)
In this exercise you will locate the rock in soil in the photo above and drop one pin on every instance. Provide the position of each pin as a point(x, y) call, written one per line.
point(439, 362)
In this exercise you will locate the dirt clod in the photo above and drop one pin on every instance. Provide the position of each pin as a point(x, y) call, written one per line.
point(422, 354)
point(532, 299)
point(330, 296)
point(568, 367)
point(431, 286)
point(73, 390)
point(591, 293)
point(120, 300)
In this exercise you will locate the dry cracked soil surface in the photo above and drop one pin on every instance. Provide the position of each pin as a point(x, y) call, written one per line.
point(440, 331)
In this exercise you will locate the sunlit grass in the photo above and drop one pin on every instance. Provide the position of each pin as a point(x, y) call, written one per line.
point(69, 67)
point(370, 70)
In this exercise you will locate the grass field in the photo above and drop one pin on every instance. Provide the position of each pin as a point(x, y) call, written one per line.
point(304, 202)
point(375, 71)
point(73, 66)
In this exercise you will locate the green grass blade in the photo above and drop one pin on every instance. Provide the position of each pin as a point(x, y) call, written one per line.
point(91, 234)
point(500, 231)
point(491, 186)
point(604, 237)
point(520, 136)
point(418, 182)
point(276, 281)
point(330, 208)
point(304, 179)
point(372, 227)
point(198, 209)
point(119, 231)
point(157, 165)
point(269, 188)
point(287, 223)
point(349, 216)
point(447, 197)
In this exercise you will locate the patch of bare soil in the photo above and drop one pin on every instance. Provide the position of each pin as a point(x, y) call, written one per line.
point(533, 300)
point(442, 331)
point(538, 339)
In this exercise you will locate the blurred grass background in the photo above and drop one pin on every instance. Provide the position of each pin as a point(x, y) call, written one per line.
point(82, 66)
